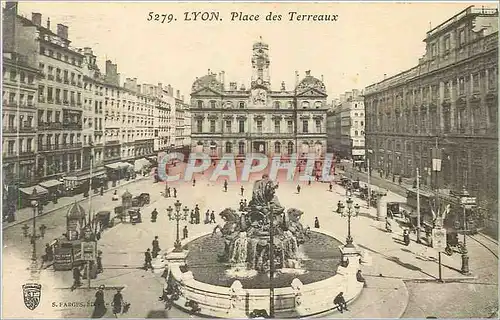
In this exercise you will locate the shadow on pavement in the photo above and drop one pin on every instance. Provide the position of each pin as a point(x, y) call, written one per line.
point(367, 215)
point(157, 314)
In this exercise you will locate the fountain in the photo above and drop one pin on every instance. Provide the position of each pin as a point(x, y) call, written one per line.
point(247, 234)
point(307, 276)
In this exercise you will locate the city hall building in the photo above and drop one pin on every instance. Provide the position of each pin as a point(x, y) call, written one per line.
point(237, 120)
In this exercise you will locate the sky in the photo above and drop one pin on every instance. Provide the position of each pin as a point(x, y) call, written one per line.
point(367, 41)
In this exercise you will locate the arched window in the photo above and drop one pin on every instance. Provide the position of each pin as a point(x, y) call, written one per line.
point(213, 104)
point(200, 104)
point(241, 104)
point(318, 104)
point(305, 104)
point(277, 147)
point(290, 147)
point(277, 105)
point(356, 132)
point(229, 147)
point(241, 147)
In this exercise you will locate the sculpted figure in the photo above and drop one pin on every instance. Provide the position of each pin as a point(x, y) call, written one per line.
point(230, 230)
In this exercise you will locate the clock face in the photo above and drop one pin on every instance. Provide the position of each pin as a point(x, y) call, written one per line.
point(259, 81)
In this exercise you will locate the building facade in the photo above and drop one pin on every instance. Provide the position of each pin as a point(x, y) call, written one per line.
point(237, 120)
point(61, 113)
point(347, 124)
point(449, 101)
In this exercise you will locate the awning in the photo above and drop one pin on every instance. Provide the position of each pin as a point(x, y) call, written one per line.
point(50, 183)
point(118, 165)
point(141, 164)
point(85, 175)
point(39, 190)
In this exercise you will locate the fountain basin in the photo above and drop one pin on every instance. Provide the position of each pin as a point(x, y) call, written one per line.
point(314, 296)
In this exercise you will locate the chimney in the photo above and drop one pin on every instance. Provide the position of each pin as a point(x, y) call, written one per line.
point(36, 18)
point(182, 97)
point(178, 94)
point(308, 73)
point(48, 23)
point(385, 76)
point(209, 72)
point(322, 80)
point(62, 31)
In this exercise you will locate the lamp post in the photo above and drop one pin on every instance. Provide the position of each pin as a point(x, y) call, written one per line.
point(352, 211)
point(467, 201)
point(34, 205)
point(177, 216)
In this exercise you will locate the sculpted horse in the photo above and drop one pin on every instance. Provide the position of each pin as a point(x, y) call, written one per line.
point(230, 230)
point(294, 225)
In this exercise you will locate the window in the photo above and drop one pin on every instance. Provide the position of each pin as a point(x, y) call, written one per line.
point(447, 44)
point(241, 147)
point(213, 104)
point(318, 104)
point(199, 125)
point(355, 106)
point(58, 56)
point(242, 104)
point(241, 125)
point(277, 147)
point(433, 50)
point(305, 104)
point(361, 123)
point(492, 82)
point(447, 89)
point(277, 125)
point(212, 126)
point(290, 147)
point(305, 126)
point(289, 125)
point(277, 105)
point(228, 126)
point(461, 38)
point(461, 86)
point(13, 75)
point(229, 147)
point(10, 149)
point(318, 126)
point(475, 82)
point(356, 133)
point(259, 126)
point(22, 77)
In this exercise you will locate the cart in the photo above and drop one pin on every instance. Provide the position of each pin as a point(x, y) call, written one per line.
point(135, 215)
point(104, 219)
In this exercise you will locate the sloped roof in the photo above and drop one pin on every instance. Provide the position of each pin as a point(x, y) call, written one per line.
point(76, 212)
point(207, 81)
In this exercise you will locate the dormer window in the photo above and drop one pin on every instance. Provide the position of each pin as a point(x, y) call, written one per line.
point(242, 104)
point(213, 104)
point(305, 104)
point(318, 104)
point(200, 104)
point(277, 105)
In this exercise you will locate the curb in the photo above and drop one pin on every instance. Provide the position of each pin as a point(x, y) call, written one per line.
point(5, 227)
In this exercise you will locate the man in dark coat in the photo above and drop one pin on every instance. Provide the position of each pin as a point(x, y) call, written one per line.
point(156, 247)
point(197, 214)
point(212, 217)
point(77, 276)
point(175, 193)
point(298, 188)
point(207, 217)
point(185, 232)
point(99, 305)
point(242, 189)
point(117, 302)
point(340, 303)
point(154, 215)
point(147, 260)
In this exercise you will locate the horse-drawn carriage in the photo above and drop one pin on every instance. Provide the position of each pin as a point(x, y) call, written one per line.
point(141, 200)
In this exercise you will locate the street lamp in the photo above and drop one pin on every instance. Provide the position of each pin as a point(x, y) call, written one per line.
point(177, 216)
point(34, 205)
point(350, 213)
point(465, 257)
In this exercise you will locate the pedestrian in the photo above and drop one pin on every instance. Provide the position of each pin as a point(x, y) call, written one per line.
point(298, 188)
point(99, 305)
point(100, 269)
point(316, 222)
point(388, 224)
point(77, 276)
point(340, 303)
point(49, 253)
point(330, 186)
point(242, 190)
point(309, 181)
point(148, 260)
point(400, 180)
point(154, 215)
point(212, 217)
point(225, 185)
point(115, 196)
point(102, 191)
point(192, 217)
point(241, 205)
point(245, 203)
point(360, 278)
point(117, 302)
point(197, 216)
point(40, 209)
point(207, 217)
point(168, 192)
point(194, 182)
point(42, 230)
point(185, 232)
point(196, 209)
point(406, 237)
point(175, 193)
point(156, 247)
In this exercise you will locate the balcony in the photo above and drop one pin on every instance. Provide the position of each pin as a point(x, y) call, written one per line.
point(30, 104)
point(49, 126)
point(72, 126)
point(11, 154)
point(79, 103)
point(9, 129)
point(66, 81)
point(74, 145)
point(41, 99)
point(27, 129)
point(50, 77)
point(58, 101)
point(66, 102)
point(73, 82)
point(47, 147)
point(80, 84)
point(58, 79)
point(50, 100)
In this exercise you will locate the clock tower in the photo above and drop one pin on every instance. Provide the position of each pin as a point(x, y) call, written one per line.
point(260, 65)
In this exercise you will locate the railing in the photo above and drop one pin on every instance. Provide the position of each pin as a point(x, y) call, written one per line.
point(72, 126)
point(58, 79)
point(27, 129)
point(71, 145)
point(9, 129)
point(50, 77)
point(50, 126)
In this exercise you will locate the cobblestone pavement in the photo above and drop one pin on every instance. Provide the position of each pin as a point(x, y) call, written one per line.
point(124, 244)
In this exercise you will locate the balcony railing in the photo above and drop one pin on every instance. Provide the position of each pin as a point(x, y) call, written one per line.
point(12, 154)
point(71, 145)
point(72, 126)
point(27, 129)
point(9, 129)
point(50, 77)
point(50, 126)
point(58, 79)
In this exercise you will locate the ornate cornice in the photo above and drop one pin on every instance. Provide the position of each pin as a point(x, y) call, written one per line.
point(212, 117)
point(305, 117)
point(259, 117)
point(241, 117)
point(228, 117)
point(276, 117)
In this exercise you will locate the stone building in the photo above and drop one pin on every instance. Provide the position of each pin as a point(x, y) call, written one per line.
point(449, 100)
point(346, 122)
point(237, 120)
